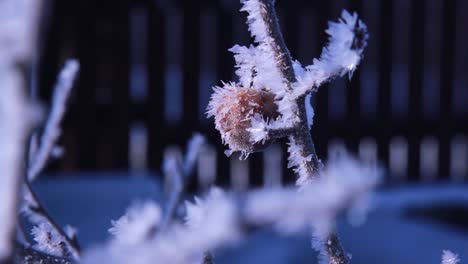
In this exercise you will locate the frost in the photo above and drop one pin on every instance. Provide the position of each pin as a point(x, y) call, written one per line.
point(17, 38)
point(137, 224)
point(70, 231)
point(196, 211)
point(448, 257)
point(47, 240)
point(309, 110)
point(348, 38)
point(178, 244)
point(345, 183)
point(52, 129)
point(193, 148)
point(298, 163)
point(218, 219)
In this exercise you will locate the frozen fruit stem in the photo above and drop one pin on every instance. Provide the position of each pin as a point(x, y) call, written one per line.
point(268, 65)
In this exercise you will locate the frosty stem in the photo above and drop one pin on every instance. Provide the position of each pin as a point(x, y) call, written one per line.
point(40, 210)
point(301, 136)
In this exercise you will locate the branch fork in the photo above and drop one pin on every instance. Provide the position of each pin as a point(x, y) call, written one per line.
point(268, 66)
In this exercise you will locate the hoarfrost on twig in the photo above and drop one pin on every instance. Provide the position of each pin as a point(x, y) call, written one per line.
point(18, 21)
point(38, 157)
point(139, 223)
point(220, 218)
point(269, 66)
point(52, 129)
point(347, 41)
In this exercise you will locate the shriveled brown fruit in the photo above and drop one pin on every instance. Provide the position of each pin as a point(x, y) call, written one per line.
point(233, 107)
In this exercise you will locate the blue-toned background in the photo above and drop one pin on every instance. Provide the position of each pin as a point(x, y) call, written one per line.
point(147, 68)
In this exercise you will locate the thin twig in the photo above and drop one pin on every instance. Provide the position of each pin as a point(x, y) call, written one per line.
point(179, 172)
point(302, 135)
point(174, 171)
point(39, 209)
point(52, 129)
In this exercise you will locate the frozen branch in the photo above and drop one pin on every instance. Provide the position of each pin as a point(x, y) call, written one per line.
point(52, 129)
point(347, 41)
point(57, 242)
point(262, 130)
point(18, 22)
point(49, 236)
point(179, 173)
point(221, 219)
point(268, 67)
point(138, 224)
point(14, 126)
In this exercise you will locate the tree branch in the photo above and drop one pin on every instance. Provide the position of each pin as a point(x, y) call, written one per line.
point(18, 28)
point(310, 164)
point(52, 129)
point(38, 210)
point(179, 172)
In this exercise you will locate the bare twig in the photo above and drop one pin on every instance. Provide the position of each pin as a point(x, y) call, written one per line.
point(37, 209)
point(265, 28)
point(52, 129)
point(179, 173)
point(39, 155)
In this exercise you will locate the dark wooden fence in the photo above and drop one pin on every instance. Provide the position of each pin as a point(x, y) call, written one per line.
point(148, 68)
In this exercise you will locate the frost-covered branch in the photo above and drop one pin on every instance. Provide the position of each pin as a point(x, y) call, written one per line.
point(50, 238)
point(346, 44)
point(221, 219)
point(272, 98)
point(179, 172)
point(14, 127)
point(138, 224)
point(52, 129)
point(18, 24)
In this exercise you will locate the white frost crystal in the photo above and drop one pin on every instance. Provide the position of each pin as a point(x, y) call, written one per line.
point(448, 257)
point(137, 223)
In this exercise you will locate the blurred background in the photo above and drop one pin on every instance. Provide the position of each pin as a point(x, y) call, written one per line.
point(148, 67)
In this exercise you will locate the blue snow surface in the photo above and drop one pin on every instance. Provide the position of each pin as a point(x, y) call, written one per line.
point(389, 235)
